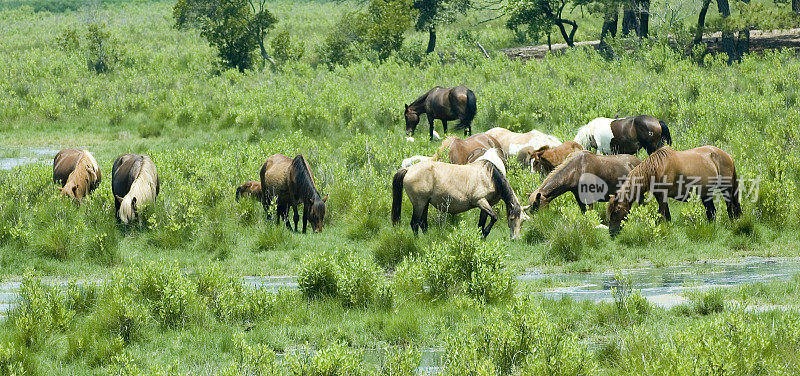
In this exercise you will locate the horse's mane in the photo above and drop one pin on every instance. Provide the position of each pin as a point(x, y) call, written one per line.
point(85, 170)
point(144, 188)
point(421, 99)
point(561, 167)
point(303, 178)
point(448, 142)
point(504, 189)
point(652, 166)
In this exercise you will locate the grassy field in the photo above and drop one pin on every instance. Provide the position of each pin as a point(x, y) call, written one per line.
point(173, 302)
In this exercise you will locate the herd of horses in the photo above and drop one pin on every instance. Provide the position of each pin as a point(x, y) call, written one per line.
point(474, 177)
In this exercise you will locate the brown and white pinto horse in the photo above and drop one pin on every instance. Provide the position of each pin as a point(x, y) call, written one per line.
point(546, 158)
point(77, 173)
point(461, 150)
point(625, 135)
point(292, 182)
point(445, 104)
point(134, 182)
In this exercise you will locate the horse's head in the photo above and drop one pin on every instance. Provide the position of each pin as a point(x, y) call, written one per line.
point(412, 119)
point(537, 201)
point(616, 211)
point(516, 216)
point(317, 213)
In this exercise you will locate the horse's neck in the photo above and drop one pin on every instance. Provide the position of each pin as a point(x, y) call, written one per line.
point(419, 103)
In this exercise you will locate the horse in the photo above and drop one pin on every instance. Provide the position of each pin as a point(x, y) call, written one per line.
point(77, 173)
point(512, 142)
point(408, 162)
point(590, 177)
point(291, 182)
point(494, 155)
point(251, 189)
point(444, 104)
point(460, 150)
point(443, 186)
point(676, 174)
point(546, 158)
point(624, 135)
point(134, 182)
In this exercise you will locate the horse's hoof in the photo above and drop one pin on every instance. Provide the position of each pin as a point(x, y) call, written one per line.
point(409, 139)
point(436, 136)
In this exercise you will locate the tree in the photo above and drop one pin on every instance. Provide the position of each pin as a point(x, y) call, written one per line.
point(437, 12)
point(235, 27)
point(540, 16)
point(386, 22)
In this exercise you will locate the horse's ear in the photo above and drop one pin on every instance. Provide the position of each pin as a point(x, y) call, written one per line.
point(325, 198)
point(119, 199)
point(406, 107)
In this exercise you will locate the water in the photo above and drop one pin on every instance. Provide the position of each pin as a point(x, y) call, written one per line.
point(663, 286)
point(25, 156)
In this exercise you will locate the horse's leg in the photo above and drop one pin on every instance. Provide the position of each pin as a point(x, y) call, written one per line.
point(444, 126)
point(486, 208)
point(663, 208)
point(482, 220)
point(306, 207)
point(416, 215)
point(580, 203)
point(430, 124)
point(296, 216)
point(732, 201)
point(711, 210)
point(424, 218)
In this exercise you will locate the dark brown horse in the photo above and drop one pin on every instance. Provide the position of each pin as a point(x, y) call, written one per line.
point(460, 150)
point(590, 177)
point(444, 104)
point(676, 174)
point(625, 135)
point(291, 181)
point(251, 189)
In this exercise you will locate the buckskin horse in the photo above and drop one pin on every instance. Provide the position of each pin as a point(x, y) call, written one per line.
point(291, 182)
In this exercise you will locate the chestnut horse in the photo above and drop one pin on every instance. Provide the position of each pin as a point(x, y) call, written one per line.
point(134, 182)
point(292, 182)
point(546, 158)
point(675, 174)
point(442, 185)
point(460, 150)
point(625, 135)
point(513, 142)
point(444, 104)
point(578, 173)
point(250, 189)
point(77, 173)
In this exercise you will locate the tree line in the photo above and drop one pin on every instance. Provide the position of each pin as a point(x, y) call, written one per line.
point(238, 28)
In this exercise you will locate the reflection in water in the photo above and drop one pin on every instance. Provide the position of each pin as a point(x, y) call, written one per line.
point(25, 156)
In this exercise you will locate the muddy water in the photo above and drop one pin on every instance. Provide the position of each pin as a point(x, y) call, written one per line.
point(25, 156)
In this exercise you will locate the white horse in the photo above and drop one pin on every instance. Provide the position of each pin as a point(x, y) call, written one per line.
point(596, 135)
point(513, 142)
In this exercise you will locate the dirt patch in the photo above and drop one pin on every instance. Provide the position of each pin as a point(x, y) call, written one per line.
point(760, 40)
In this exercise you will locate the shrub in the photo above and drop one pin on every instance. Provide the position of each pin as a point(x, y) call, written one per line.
point(273, 236)
point(150, 129)
point(360, 282)
point(41, 312)
point(284, 49)
point(393, 246)
point(336, 360)
point(708, 302)
point(642, 226)
point(696, 225)
point(401, 362)
point(318, 275)
point(573, 235)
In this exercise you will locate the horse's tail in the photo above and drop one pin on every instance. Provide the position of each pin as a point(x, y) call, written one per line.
point(472, 110)
point(397, 194)
point(665, 135)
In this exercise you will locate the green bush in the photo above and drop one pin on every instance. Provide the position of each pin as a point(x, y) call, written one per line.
point(642, 226)
point(401, 362)
point(336, 360)
point(696, 225)
point(272, 237)
point(394, 245)
point(318, 275)
point(708, 302)
point(574, 235)
point(360, 282)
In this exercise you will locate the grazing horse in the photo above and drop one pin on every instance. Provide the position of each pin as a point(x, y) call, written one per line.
point(77, 173)
point(251, 189)
point(675, 174)
point(579, 173)
point(443, 186)
point(625, 135)
point(513, 142)
point(546, 158)
point(134, 182)
point(460, 150)
point(444, 104)
point(292, 182)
